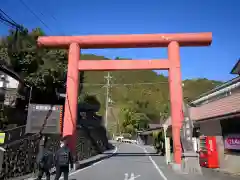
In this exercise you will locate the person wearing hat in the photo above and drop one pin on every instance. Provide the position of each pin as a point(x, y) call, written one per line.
point(63, 158)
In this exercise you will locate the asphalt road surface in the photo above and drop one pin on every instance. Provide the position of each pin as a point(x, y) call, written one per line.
point(133, 162)
point(130, 162)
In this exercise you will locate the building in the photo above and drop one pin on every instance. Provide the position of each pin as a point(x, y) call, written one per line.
point(217, 113)
point(10, 86)
point(146, 136)
point(13, 95)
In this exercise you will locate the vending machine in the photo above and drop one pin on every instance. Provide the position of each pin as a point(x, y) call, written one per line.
point(208, 155)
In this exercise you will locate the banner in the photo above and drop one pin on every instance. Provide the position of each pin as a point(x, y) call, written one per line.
point(232, 141)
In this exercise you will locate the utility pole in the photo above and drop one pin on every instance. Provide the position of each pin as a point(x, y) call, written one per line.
point(108, 77)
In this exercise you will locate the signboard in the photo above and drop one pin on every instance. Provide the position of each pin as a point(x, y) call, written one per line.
point(232, 141)
point(38, 114)
point(2, 138)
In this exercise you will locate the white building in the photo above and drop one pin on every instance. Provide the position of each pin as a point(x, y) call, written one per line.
point(10, 85)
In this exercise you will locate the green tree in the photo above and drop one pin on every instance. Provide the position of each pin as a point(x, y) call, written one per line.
point(132, 121)
point(43, 68)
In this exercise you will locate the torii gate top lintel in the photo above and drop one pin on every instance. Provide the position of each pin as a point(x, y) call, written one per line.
point(127, 41)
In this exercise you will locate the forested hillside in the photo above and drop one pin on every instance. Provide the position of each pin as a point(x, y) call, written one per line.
point(144, 89)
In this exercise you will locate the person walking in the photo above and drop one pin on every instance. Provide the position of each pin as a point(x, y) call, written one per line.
point(44, 160)
point(63, 158)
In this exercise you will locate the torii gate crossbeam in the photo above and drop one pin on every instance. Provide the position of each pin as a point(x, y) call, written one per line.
point(172, 41)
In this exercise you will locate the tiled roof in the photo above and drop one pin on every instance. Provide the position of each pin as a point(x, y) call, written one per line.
point(154, 126)
point(226, 105)
point(236, 68)
point(218, 88)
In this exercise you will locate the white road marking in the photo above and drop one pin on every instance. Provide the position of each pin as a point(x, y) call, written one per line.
point(154, 163)
point(75, 172)
point(132, 177)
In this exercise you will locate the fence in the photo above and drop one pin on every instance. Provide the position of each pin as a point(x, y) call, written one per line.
point(20, 156)
point(14, 134)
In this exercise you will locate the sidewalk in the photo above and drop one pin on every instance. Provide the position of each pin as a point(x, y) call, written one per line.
point(207, 174)
point(227, 172)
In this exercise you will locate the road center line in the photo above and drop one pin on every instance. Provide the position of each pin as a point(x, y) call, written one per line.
point(154, 163)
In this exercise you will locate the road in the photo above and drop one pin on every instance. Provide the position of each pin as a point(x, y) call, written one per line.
point(141, 163)
point(129, 159)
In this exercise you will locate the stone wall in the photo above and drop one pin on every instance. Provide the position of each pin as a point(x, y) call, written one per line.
point(21, 152)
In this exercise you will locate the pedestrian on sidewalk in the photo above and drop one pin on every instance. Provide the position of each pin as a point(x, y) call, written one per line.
point(63, 158)
point(44, 160)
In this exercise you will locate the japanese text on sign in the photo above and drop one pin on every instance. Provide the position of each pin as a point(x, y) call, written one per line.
point(232, 142)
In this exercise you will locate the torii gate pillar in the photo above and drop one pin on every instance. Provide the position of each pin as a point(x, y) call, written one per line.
point(172, 64)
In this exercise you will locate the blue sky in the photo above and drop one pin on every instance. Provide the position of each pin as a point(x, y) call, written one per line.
point(75, 17)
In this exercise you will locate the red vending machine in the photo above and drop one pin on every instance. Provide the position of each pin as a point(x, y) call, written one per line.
point(208, 152)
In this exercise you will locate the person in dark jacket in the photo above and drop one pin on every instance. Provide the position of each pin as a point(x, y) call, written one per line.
point(44, 160)
point(63, 158)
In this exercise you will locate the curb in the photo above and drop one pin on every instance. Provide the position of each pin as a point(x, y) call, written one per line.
point(226, 172)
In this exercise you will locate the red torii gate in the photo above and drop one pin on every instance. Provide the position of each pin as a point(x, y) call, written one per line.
point(172, 64)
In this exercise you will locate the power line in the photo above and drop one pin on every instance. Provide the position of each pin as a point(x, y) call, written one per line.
point(8, 21)
point(33, 13)
point(54, 18)
point(125, 84)
point(7, 16)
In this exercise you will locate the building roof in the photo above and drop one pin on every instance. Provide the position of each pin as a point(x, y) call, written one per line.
point(218, 88)
point(154, 126)
point(12, 74)
point(227, 105)
point(220, 107)
point(236, 68)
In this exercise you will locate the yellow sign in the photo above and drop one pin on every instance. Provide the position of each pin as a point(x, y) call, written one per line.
point(2, 138)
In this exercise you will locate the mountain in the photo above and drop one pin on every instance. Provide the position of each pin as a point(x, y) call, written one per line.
point(144, 89)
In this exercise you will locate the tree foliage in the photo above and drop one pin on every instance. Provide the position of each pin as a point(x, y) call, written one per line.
point(43, 69)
